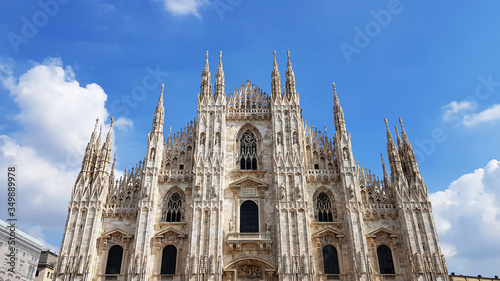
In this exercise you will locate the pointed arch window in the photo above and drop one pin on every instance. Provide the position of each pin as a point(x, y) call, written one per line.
point(324, 208)
point(168, 260)
point(172, 208)
point(114, 264)
point(330, 260)
point(385, 262)
point(249, 217)
point(248, 152)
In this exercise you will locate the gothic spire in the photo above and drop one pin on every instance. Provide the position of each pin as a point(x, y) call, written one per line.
point(386, 177)
point(392, 152)
point(400, 143)
point(403, 133)
point(219, 81)
point(112, 175)
point(159, 114)
point(92, 137)
point(160, 100)
point(206, 63)
point(98, 141)
point(290, 78)
point(110, 132)
point(409, 153)
point(206, 84)
point(92, 147)
point(275, 80)
point(390, 141)
point(338, 113)
point(169, 140)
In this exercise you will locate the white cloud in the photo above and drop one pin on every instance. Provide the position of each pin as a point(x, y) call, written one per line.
point(55, 110)
point(462, 113)
point(55, 117)
point(467, 216)
point(184, 7)
point(457, 109)
point(123, 123)
point(490, 114)
point(43, 188)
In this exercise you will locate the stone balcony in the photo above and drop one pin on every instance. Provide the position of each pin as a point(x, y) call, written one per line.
point(258, 241)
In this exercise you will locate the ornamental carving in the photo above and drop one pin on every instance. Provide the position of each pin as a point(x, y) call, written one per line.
point(382, 237)
point(249, 271)
point(327, 239)
point(116, 239)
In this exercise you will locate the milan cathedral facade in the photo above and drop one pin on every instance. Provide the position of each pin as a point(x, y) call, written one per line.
point(249, 191)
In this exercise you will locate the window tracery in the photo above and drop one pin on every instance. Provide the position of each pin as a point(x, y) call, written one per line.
point(172, 208)
point(248, 152)
point(326, 211)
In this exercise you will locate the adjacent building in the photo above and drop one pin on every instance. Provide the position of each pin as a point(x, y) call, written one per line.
point(46, 266)
point(250, 191)
point(23, 260)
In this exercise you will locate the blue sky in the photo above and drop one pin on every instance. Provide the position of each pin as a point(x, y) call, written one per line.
point(65, 63)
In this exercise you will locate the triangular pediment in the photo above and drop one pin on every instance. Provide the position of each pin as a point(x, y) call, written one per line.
point(249, 181)
point(382, 230)
point(117, 232)
point(328, 231)
point(170, 231)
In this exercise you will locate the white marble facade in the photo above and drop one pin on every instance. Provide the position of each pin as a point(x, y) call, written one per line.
point(250, 191)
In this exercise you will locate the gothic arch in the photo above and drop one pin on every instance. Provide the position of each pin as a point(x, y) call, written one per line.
point(173, 205)
point(324, 205)
point(252, 129)
point(249, 151)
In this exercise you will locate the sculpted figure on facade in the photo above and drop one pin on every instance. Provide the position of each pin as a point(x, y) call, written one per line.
point(137, 264)
point(286, 264)
point(312, 268)
point(305, 264)
point(220, 265)
point(361, 258)
point(194, 265)
point(187, 265)
point(212, 264)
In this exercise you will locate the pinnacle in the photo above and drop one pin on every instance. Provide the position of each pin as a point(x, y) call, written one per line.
point(289, 63)
point(206, 62)
point(335, 97)
point(220, 61)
